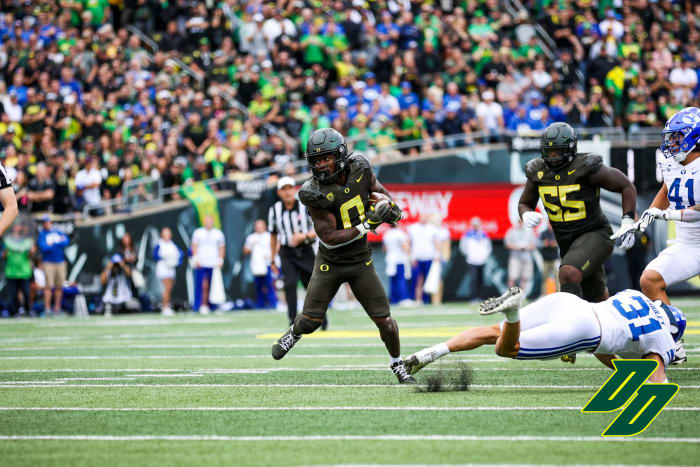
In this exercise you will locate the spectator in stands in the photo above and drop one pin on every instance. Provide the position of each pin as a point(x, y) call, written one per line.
point(116, 280)
point(52, 243)
point(90, 179)
point(168, 257)
point(18, 249)
point(520, 242)
point(257, 245)
point(208, 250)
point(41, 189)
point(476, 247)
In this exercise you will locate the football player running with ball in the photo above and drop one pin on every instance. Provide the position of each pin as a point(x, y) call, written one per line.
point(676, 201)
point(569, 185)
point(338, 199)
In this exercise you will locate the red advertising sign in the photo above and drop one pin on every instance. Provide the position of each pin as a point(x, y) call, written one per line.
point(496, 204)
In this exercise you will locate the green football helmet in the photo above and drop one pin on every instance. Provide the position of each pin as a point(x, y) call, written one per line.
point(558, 145)
point(322, 142)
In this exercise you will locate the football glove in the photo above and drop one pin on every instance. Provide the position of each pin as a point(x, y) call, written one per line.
point(395, 215)
point(532, 219)
point(626, 233)
point(378, 215)
point(649, 216)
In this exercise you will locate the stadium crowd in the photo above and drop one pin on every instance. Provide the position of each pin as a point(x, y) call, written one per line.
point(88, 106)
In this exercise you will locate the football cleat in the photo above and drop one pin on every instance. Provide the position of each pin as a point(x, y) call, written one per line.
point(569, 358)
point(418, 360)
point(401, 372)
point(509, 301)
point(284, 344)
point(679, 355)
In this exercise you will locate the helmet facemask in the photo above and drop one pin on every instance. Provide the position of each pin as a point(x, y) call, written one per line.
point(674, 144)
point(321, 170)
point(556, 157)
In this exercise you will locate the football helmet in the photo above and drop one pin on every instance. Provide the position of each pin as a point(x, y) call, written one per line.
point(681, 134)
point(676, 319)
point(322, 142)
point(558, 145)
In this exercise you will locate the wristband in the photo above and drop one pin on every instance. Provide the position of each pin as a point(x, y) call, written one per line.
point(363, 228)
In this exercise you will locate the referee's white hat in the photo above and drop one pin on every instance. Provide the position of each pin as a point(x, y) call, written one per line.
point(285, 181)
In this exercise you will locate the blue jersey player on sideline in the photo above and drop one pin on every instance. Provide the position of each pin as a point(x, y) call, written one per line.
point(626, 325)
point(676, 201)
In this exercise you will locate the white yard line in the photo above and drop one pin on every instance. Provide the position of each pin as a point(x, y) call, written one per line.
point(34, 384)
point(374, 367)
point(348, 438)
point(309, 408)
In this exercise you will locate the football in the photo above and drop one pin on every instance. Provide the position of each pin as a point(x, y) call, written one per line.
point(377, 199)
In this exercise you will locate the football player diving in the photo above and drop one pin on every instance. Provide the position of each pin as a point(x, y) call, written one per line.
point(337, 197)
point(569, 183)
point(675, 201)
point(626, 325)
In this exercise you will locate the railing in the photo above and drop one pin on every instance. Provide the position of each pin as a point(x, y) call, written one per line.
point(136, 195)
point(144, 38)
point(544, 40)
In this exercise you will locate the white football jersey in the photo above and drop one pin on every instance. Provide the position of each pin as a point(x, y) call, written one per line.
point(683, 183)
point(632, 326)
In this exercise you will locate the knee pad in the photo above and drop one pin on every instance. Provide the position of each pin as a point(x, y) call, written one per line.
point(304, 325)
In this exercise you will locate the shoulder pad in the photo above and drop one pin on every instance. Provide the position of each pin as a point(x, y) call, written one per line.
point(311, 194)
point(588, 163)
point(533, 167)
point(358, 159)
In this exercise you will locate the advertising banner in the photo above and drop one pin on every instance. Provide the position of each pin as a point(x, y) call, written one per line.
point(456, 204)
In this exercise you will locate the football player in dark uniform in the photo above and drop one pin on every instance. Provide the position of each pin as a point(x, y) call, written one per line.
point(569, 185)
point(337, 197)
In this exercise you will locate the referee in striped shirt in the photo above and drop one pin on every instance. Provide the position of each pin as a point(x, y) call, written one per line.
point(292, 232)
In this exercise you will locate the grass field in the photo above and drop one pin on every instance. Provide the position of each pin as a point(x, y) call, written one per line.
point(148, 390)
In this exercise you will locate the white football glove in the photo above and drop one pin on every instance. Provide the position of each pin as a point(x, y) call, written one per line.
point(626, 233)
point(531, 219)
point(647, 218)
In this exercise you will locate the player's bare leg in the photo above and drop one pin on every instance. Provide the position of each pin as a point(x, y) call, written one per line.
point(474, 338)
point(507, 344)
point(466, 340)
point(654, 287)
point(570, 279)
point(389, 332)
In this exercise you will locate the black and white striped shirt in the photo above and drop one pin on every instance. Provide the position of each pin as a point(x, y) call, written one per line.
point(5, 178)
point(286, 222)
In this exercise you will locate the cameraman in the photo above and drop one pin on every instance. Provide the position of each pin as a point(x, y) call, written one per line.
point(116, 279)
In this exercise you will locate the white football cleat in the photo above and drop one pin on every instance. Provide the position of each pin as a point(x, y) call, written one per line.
point(204, 310)
point(680, 355)
point(418, 360)
point(509, 301)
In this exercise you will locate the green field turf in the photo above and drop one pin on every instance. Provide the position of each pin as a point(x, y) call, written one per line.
point(199, 390)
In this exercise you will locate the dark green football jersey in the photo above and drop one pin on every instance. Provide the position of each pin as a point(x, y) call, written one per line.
point(348, 203)
point(572, 203)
